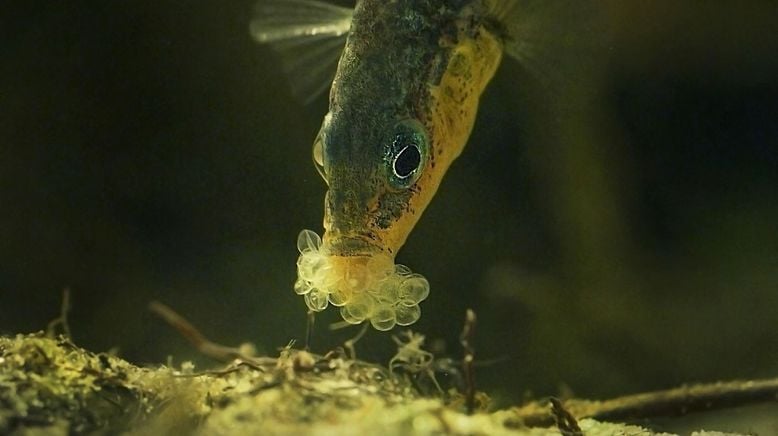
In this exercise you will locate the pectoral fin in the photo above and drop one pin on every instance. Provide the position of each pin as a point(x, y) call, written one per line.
point(555, 40)
point(309, 35)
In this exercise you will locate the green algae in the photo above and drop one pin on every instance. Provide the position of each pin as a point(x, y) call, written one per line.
point(49, 386)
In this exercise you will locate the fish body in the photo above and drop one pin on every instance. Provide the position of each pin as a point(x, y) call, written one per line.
point(402, 104)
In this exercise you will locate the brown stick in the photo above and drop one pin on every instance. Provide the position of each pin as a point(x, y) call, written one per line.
point(201, 343)
point(565, 421)
point(309, 323)
point(671, 402)
point(349, 345)
point(62, 319)
point(466, 339)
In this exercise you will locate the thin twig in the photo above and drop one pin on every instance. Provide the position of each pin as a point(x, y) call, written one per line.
point(671, 402)
point(349, 344)
point(62, 319)
point(565, 422)
point(309, 323)
point(682, 400)
point(466, 339)
point(204, 345)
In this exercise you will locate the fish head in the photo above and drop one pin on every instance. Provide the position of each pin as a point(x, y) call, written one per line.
point(375, 180)
point(402, 106)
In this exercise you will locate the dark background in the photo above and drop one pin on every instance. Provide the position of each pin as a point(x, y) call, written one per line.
point(153, 151)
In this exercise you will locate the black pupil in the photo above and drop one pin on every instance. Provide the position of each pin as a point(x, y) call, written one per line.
point(407, 161)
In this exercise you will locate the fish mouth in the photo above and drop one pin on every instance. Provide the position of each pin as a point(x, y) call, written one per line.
point(360, 278)
point(351, 246)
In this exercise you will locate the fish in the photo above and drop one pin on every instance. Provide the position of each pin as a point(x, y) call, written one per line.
point(408, 77)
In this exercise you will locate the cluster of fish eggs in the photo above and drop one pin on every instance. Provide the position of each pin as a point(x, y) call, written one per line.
point(374, 290)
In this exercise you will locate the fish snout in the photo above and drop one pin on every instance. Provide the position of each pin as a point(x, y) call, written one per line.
point(346, 219)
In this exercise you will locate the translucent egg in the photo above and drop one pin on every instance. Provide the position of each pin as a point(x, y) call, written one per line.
point(357, 277)
point(311, 266)
point(338, 298)
point(316, 300)
point(366, 288)
point(361, 307)
point(308, 240)
point(402, 270)
point(302, 287)
point(415, 288)
point(407, 315)
point(389, 292)
point(383, 318)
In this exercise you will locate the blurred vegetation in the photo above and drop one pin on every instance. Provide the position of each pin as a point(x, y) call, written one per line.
point(151, 150)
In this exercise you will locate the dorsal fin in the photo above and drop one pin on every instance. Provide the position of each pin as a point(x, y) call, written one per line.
point(309, 35)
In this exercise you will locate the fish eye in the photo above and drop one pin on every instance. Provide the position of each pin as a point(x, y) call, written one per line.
point(407, 154)
point(406, 161)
